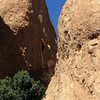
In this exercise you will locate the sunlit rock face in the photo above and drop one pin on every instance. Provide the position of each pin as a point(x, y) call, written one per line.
point(29, 22)
point(77, 75)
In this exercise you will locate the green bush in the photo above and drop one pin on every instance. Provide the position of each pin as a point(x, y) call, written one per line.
point(21, 87)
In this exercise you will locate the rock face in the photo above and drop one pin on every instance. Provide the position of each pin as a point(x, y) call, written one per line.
point(30, 23)
point(77, 75)
point(11, 59)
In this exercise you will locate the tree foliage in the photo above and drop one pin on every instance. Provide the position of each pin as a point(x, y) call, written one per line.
point(21, 87)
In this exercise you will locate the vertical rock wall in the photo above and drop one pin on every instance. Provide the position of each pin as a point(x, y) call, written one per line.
point(11, 59)
point(77, 75)
point(29, 22)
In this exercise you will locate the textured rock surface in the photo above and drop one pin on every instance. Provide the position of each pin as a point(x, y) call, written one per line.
point(77, 75)
point(29, 21)
point(11, 59)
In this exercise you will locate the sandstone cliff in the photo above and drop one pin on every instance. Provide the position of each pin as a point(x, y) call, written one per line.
point(77, 75)
point(11, 59)
point(29, 22)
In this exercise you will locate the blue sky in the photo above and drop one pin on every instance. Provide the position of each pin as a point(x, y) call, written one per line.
point(54, 8)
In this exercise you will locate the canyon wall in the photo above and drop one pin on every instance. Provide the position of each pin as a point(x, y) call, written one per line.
point(77, 72)
point(30, 25)
point(10, 54)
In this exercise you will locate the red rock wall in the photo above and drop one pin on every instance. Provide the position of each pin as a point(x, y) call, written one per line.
point(29, 20)
point(11, 59)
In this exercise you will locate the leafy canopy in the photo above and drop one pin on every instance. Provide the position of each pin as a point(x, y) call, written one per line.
point(21, 87)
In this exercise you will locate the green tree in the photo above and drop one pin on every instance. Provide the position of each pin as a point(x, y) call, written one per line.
point(21, 87)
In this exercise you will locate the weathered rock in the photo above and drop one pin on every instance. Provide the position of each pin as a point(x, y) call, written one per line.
point(11, 59)
point(30, 22)
point(77, 75)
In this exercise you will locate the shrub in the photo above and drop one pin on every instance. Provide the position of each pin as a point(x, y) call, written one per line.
point(21, 87)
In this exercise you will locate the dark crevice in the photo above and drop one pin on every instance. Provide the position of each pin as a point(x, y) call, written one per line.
point(79, 46)
point(93, 36)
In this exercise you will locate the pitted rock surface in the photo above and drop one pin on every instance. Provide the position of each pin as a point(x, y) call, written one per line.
point(77, 72)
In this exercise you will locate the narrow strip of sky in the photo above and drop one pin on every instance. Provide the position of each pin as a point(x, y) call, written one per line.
point(54, 8)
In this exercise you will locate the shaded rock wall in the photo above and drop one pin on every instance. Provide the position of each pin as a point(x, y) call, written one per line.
point(77, 75)
point(11, 59)
point(30, 22)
